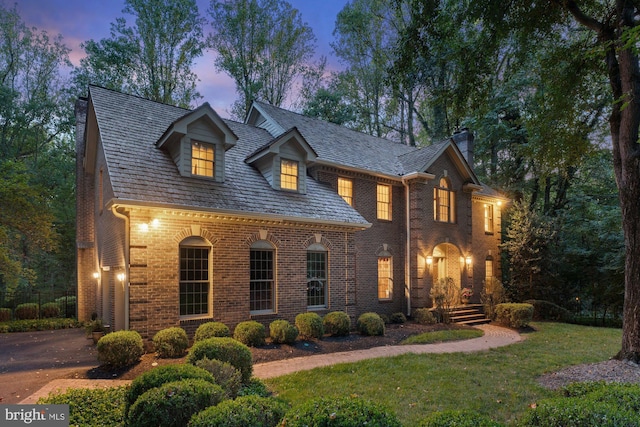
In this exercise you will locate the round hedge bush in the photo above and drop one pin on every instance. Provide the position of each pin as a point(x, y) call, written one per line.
point(282, 332)
point(211, 330)
point(309, 326)
point(424, 316)
point(337, 324)
point(245, 411)
point(225, 350)
point(370, 324)
point(398, 318)
point(458, 419)
point(120, 349)
point(224, 374)
point(171, 342)
point(162, 375)
point(340, 412)
point(50, 310)
point(26, 311)
point(250, 333)
point(173, 404)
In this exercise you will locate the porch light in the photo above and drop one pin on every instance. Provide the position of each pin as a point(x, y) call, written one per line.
point(96, 275)
point(121, 277)
point(468, 260)
point(429, 261)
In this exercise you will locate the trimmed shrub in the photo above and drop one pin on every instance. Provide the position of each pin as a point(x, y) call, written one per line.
point(171, 342)
point(250, 333)
point(211, 330)
point(370, 324)
point(627, 396)
point(26, 311)
point(5, 314)
point(340, 412)
point(337, 324)
point(282, 332)
point(424, 316)
point(173, 404)
point(246, 411)
point(254, 387)
point(50, 310)
point(225, 350)
point(309, 325)
point(514, 315)
point(224, 374)
point(90, 407)
point(545, 310)
point(398, 318)
point(458, 419)
point(385, 318)
point(120, 349)
point(163, 375)
point(578, 412)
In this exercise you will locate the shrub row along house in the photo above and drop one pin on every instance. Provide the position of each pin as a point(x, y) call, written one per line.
point(185, 217)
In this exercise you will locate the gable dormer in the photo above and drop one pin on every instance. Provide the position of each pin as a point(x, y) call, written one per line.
point(258, 117)
point(197, 143)
point(283, 161)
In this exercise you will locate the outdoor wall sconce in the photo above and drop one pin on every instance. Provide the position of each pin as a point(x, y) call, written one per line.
point(96, 275)
point(468, 261)
point(121, 277)
point(429, 261)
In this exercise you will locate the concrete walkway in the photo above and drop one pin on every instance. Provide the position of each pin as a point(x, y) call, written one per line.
point(494, 336)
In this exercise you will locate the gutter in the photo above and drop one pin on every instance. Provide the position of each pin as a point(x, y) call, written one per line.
point(127, 243)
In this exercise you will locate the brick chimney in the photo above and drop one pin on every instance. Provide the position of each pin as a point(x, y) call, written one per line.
point(464, 140)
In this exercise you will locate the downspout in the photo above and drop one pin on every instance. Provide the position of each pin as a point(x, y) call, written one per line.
point(407, 257)
point(127, 239)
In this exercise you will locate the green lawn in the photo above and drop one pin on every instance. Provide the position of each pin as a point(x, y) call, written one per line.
point(500, 383)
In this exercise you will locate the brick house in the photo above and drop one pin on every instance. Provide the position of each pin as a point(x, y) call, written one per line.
point(184, 217)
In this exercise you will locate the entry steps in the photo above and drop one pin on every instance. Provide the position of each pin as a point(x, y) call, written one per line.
point(470, 314)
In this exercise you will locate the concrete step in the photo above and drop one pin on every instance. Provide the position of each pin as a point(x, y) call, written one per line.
point(471, 314)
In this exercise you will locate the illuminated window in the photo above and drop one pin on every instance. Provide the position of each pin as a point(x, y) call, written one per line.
point(195, 281)
point(385, 278)
point(444, 202)
point(261, 281)
point(288, 175)
point(488, 275)
point(488, 218)
point(202, 159)
point(345, 190)
point(316, 278)
point(384, 202)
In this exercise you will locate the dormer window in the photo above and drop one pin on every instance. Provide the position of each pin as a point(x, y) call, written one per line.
point(202, 159)
point(289, 175)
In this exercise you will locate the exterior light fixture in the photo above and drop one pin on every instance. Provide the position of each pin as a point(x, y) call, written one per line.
point(429, 261)
point(121, 277)
point(155, 223)
point(144, 227)
point(468, 260)
point(96, 275)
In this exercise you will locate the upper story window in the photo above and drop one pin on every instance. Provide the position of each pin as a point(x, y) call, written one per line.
point(345, 189)
point(488, 218)
point(384, 202)
point(202, 156)
point(289, 175)
point(444, 202)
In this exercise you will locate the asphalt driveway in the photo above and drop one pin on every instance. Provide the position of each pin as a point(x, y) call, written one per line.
point(29, 360)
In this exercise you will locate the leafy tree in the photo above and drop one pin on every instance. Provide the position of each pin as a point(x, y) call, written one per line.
point(153, 58)
point(263, 45)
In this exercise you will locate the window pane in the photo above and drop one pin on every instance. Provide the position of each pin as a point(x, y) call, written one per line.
point(194, 281)
point(261, 283)
point(488, 218)
point(385, 280)
point(316, 278)
point(202, 156)
point(288, 174)
point(345, 190)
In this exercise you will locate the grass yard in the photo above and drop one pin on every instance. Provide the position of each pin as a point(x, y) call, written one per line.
point(499, 383)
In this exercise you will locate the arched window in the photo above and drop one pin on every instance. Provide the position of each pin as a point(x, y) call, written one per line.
point(444, 202)
point(261, 278)
point(385, 277)
point(317, 261)
point(195, 278)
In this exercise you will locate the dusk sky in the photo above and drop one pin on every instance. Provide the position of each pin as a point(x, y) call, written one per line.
point(81, 20)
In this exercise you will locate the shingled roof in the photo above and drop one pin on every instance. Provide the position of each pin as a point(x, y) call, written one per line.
point(143, 174)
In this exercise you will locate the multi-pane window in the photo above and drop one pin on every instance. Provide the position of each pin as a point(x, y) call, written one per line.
point(261, 280)
point(488, 275)
point(384, 202)
point(385, 278)
point(202, 156)
point(488, 218)
point(316, 279)
point(444, 202)
point(345, 189)
point(288, 174)
point(194, 281)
